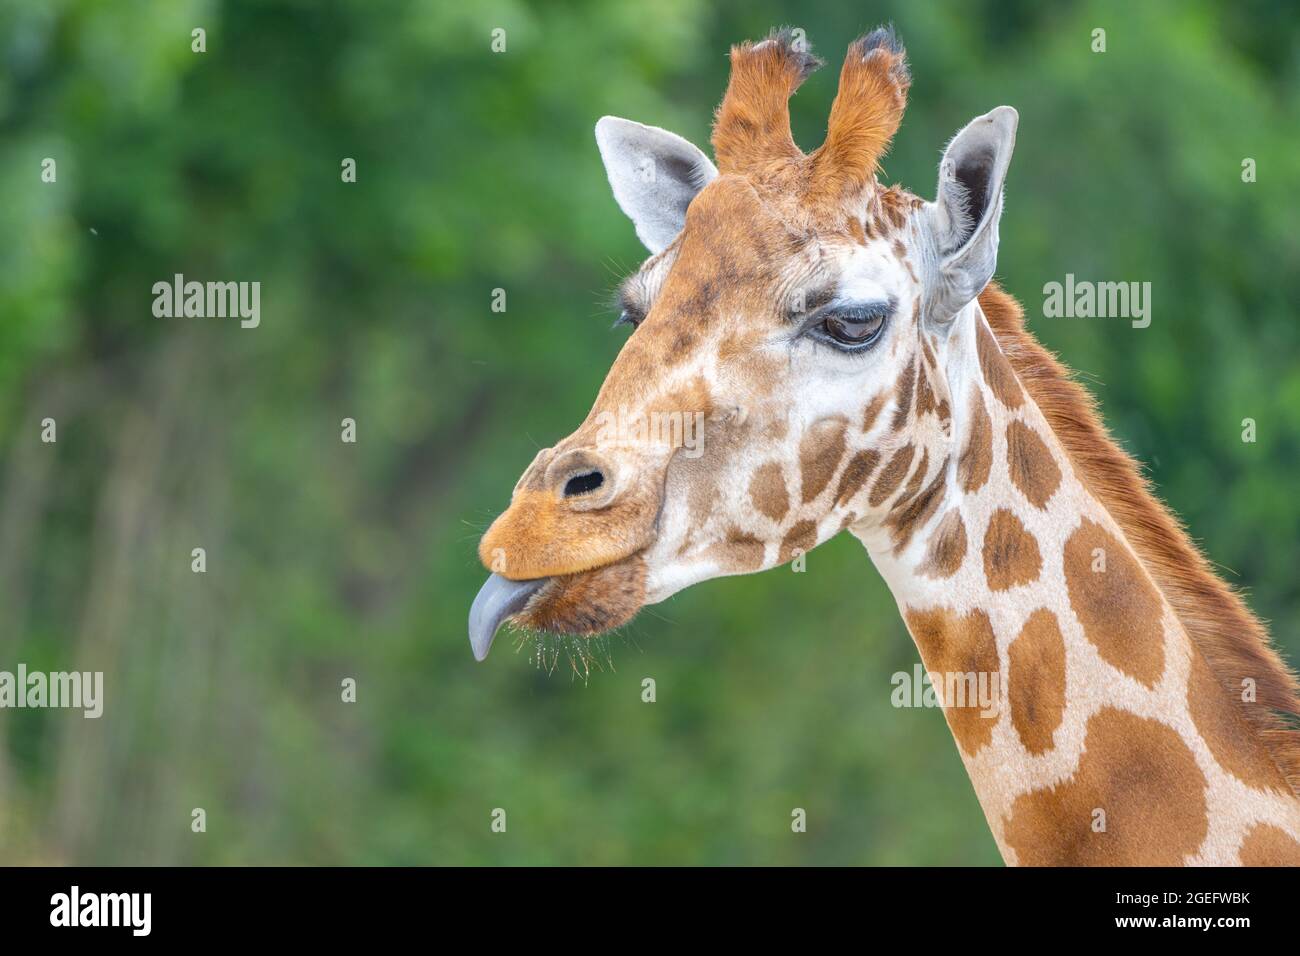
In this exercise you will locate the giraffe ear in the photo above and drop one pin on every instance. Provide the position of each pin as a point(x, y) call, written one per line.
point(654, 174)
point(965, 213)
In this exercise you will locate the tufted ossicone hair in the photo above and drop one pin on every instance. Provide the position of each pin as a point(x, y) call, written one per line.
point(751, 130)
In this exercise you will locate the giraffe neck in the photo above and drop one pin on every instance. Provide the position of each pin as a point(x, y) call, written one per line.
point(1109, 740)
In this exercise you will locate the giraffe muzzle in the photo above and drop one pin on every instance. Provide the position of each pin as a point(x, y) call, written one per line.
point(498, 599)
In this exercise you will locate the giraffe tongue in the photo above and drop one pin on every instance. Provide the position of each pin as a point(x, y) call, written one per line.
point(497, 600)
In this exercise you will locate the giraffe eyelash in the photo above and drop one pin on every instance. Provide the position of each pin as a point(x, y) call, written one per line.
point(629, 315)
point(629, 312)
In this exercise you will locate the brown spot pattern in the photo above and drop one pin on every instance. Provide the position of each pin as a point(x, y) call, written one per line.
point(999, 375)
point(768, 491)
point(1267, 845)
point(953, 644)
point(1137, 771)
point(801, 537)
point(739, 551)
point(906, 382)
point(892, 475)
point(1119, 608)
point(1224, 730)
point(820, 453)
point(872, 412)
point(855, 230)
point(1011, 554)
point(914, 483)
point(904, 522)
point(1036, 681)
point(856, 473)
point(1033, 469)
point(925, 400)
point(977, 457)
point(947, 547)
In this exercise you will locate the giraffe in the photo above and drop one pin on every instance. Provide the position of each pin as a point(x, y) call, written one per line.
point(855, 367)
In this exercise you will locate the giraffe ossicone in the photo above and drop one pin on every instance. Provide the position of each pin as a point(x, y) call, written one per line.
point(855, 368)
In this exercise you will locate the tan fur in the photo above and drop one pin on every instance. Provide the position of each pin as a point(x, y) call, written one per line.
point(1030, 464)
point(1141, 775)
point(1011, 555)
point(903, 521)
point(768, 491)
point(1267, 845)
point(856, 473)
point(864, 117)
point(958, 644)
point(751, 130)
point(1233, 641)
point(977, 457)
point(820, 454)
point(892, 475)
point(1226, 732)
point(1036, 681)
point(798, 540)
point(1116, 603)
point(947, 547)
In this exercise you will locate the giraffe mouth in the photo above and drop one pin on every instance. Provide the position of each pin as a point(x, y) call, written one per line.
point(498, 599)
point(584, 604)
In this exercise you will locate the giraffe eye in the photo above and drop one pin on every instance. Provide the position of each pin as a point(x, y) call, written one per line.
point(852, 329)
point(629, 316)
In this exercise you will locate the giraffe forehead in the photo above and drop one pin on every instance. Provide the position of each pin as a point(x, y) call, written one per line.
point(747, 230)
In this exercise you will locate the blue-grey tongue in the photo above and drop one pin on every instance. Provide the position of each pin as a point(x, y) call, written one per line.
point(497, 600)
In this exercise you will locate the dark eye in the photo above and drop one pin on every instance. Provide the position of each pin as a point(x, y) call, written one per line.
point(629, 316)
point(852, 328)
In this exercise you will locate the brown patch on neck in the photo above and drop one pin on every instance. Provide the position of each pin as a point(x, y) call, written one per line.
point(977, 457)
point(892, 475)
point(1267, 845)
point(1036, 681)
point(800, 539)
point(903, 522)
point(1142, 776)
point(1117, 605)
point(1225, 731)
point(925, 399)
point(997, 370)
point(856, 473)
point(947, 547)
point(1031, 465)
point(914, 483)
point(1011, 554)
point(959, 645)
point(1233, 642)
point(740, 552)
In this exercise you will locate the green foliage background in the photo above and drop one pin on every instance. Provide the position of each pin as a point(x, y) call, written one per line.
point(478, 171)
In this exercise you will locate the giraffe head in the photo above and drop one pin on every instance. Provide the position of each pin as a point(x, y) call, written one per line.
point(785, 349)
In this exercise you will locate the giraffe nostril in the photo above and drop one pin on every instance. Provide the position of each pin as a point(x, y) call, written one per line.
point(582, 484)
